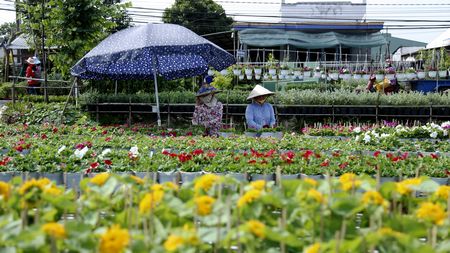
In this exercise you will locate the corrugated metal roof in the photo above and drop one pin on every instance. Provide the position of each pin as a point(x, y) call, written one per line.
point(19, 43)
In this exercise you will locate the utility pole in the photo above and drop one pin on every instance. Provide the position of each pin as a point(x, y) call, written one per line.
point(44, 57)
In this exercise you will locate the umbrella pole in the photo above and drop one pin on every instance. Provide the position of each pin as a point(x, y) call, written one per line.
point(155, 73)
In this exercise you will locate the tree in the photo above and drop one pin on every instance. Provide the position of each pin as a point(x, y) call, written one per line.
point(200, 16)
point(73, 27)
point(7, 30)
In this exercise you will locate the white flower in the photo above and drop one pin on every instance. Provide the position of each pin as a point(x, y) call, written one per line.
point(445, 132)
point(134, 151)
point(104, 153)
point(366, 138)
point(434, 135)
point(384, 135)
point(357, 130)
point(357, 138)
point(445, 124)
point(61, 149)
point(80, 153)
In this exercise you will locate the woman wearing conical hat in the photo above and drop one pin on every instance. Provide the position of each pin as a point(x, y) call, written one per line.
point(208, 111)
point(259, 114)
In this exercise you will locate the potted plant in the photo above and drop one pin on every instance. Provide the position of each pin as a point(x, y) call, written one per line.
point(317, 72)
point(271, 132)
point(297, 72)
point(257, 70)
point(248, 70)
point(401, 75)
point(227, 132)
point(210, 71)
point(420, 74)
point(334, 74)
point(379, 74)
point(411, 73)
point(284, 69)
point(432, 72)
point(224, 72)
point(237, 70)
point(345, 73)
point(307, 72)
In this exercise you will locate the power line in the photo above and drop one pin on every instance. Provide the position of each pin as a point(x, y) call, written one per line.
point(305, 17)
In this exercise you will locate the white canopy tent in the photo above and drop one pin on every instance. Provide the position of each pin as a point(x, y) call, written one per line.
point(442, 40)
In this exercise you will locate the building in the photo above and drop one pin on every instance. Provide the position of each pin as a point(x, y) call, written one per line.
point(314, 31)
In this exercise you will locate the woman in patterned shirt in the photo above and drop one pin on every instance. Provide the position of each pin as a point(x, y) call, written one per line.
point(208, 111)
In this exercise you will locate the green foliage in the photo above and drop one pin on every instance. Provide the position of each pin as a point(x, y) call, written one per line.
point(8, 29)
point(202, 17)
point(223, 81)
point(38, 113)
point(292, 97)
point(74, 26)
point(5, 90)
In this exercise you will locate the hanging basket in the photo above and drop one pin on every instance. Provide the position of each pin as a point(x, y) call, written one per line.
point(248, 71)
point(432, 74)
point(224, 72)
point(210, 72)
point(237, 72)
point(258, 71)
point(272, 71)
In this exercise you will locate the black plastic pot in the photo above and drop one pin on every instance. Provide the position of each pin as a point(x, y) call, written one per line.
point(186, 177)
point(57, 177)
point(171, 176)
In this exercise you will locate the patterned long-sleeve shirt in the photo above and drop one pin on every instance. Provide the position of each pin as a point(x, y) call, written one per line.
point(209, 117)
point(258, 115)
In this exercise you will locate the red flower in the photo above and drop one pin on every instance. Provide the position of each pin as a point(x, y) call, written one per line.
point(5, 161)
point(93, 129)
point(317, 155)
point(43, 136)
point(336, 154)
point(211, 154)
point(173, 155)
point(55, 130)
point(245, 153)
point(307, 154)
point(107, 139)
point(434, 156)
point(94, 165)
point(263, 161)
point(165, 152)
point(377, 153)
point(389, 155)
point(405, 155)
point(189, 134)
point(237, 158)
point(252, 161)
point(104, 132)
point(325, 163)
point(183, 157)
point(270, 153)
point(198, 152)
point(18, 148)
point(396, 158)
point(108, 162)
point(343, 165)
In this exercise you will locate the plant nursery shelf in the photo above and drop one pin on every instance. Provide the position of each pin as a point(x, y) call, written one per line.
point(333, 111)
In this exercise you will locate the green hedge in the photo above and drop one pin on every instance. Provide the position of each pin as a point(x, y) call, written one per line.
point(292, 97)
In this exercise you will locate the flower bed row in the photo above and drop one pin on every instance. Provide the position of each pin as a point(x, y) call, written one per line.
point(214, 213)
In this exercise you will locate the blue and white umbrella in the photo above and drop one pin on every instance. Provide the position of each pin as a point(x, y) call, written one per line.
point(143, 52)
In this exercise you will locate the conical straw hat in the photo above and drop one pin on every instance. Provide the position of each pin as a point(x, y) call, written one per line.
point(259, 91)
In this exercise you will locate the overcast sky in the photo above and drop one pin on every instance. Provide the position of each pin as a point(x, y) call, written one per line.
point(376, 10)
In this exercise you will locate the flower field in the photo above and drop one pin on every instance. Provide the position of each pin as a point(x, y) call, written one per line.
point(217, 214)
point(88, 188)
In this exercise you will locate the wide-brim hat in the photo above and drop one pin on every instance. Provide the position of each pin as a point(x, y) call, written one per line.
point(33, 60)
point(205, 90)
point(259, 91)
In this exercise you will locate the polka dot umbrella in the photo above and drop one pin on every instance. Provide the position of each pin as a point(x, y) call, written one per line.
point(146, 51)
